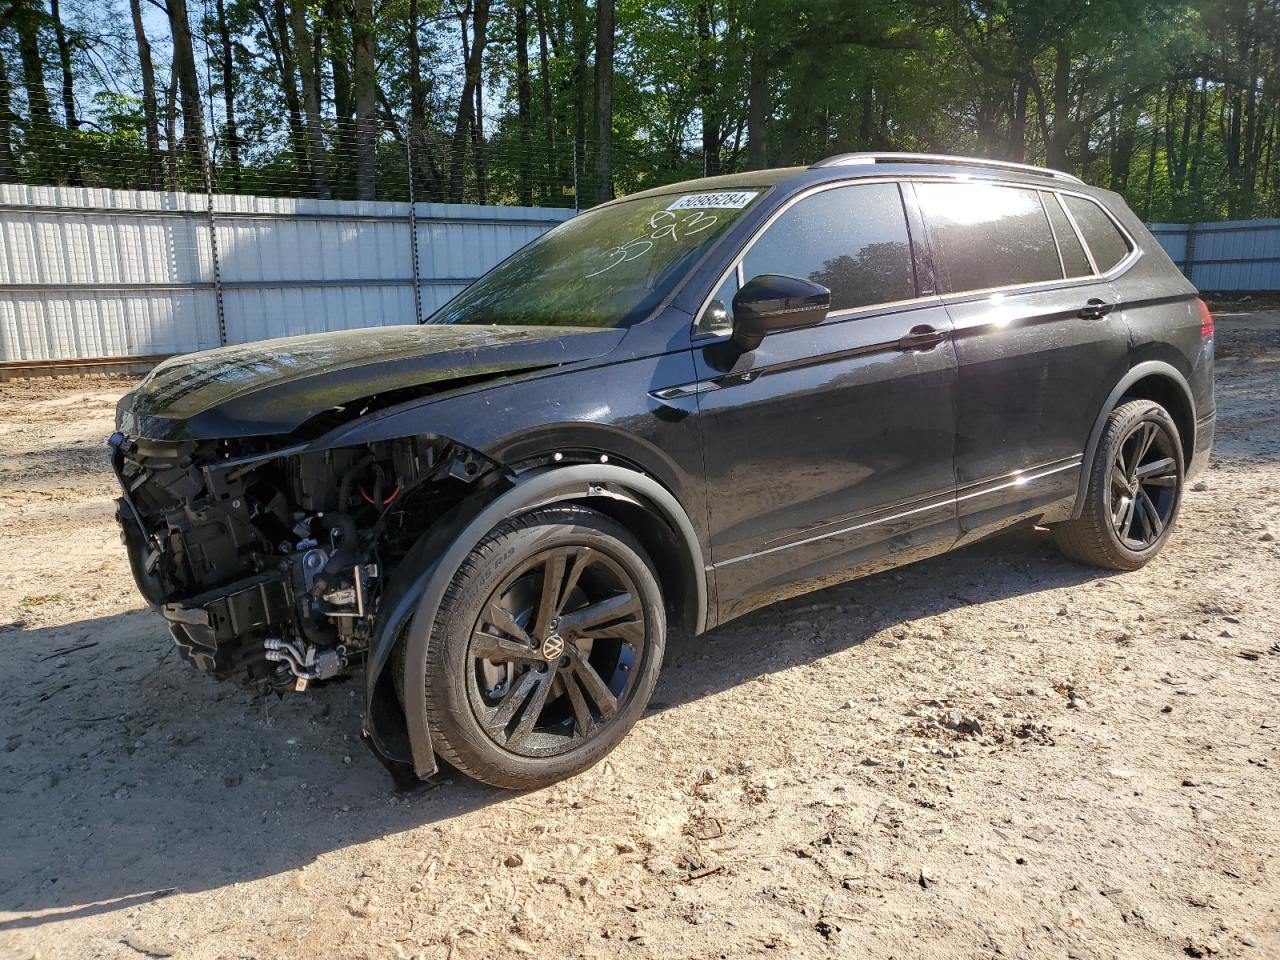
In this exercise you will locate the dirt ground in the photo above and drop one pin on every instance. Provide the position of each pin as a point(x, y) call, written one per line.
point(990, 754)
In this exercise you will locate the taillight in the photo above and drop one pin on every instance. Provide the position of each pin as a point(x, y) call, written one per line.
point(1206, 321)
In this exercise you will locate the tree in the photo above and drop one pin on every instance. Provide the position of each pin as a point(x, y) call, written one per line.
point(188, 83)
point(226, 61)
point(310, 73)
point(150, 111)
point(473, 59)
point(27, 19)
point(602, 188)
point(8, 169)
point(1174, 103)
point(64, 59)
point(364, 41)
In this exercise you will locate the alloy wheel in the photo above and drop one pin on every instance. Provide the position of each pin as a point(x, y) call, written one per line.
point(1144, 485)
point(554, 651)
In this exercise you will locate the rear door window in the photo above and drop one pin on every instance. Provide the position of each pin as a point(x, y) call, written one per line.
point(1074, 260)
point(1107, 244)
point(852, 240)
point(986, 235)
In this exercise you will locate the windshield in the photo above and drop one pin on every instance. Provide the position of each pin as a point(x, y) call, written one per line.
point(608, 267)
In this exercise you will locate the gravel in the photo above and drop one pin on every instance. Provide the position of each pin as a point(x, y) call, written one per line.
point(1034, 759)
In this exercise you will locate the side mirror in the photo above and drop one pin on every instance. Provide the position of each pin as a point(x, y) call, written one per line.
point(771, 302)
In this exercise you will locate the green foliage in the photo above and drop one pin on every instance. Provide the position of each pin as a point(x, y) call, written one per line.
point(1174, 103)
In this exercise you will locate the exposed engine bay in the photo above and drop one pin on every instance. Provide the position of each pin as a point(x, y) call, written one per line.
point(269, 564)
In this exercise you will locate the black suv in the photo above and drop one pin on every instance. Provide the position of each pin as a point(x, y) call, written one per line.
point(668, 411)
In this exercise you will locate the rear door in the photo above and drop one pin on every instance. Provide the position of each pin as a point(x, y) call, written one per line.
point(1038, 342)
point(828, 448)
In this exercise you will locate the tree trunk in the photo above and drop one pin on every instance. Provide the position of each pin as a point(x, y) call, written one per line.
point(311, 98)
point(228, 95)
point(706, 84)
point(581, 52)
point(1151, 161)
point(365, 42)
point(474, 53)
point(276, 29)
point(1018, 122)
point(1124, 140)
point(1194, 169)
point(524, 107)
point(64, 59)
point(417, 90)
point(1179, 168)
point(184, 63)
point(758, 108)
point(8, 170)
point(150, 109)
point(1232, 132)
point(602, 187)
point(1273, 188)
point(1059, 136)
point(336, 17)
point(40, 128)
point(548, 108)
point(477, 140)
point(27, 21)
point(171, 127)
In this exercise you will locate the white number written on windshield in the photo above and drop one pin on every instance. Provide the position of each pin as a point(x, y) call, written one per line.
point(663, 225)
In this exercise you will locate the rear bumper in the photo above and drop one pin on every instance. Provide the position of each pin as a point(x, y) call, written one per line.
point(1203, 447)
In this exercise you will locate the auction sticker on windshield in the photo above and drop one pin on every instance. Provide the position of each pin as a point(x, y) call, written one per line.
point(720, 200)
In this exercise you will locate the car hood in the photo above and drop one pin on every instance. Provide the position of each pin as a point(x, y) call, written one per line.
point(274, 386)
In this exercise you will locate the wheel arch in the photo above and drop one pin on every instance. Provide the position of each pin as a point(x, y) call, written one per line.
point(412, 600)
point(1153, 380)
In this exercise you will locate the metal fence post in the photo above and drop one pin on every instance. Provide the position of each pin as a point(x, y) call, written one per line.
point(413, 229)
point(1189, 257)
point(213, 245)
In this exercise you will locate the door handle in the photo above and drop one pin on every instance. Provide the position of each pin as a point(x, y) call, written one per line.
point(922, 337)
point(1095, 309)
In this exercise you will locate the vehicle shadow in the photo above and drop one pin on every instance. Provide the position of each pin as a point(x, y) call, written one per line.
point(815, 625)
point(126, 775)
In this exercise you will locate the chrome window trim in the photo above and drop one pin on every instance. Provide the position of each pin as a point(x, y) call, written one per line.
point(736, 264)
point(1062, 261)
point(1093, 262)
point(1135, 250)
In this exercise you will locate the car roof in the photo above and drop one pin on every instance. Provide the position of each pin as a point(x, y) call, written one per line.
point(851, 166)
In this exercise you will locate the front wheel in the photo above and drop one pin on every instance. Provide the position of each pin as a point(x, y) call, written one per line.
point(545, 650)
point(1134, 492)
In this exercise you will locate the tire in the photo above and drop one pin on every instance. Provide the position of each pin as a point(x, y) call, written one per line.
point(607, 635)
point(1126, 520)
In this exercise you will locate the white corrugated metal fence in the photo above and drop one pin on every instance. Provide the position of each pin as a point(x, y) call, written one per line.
point(1232, 256)
point(90, 273)
point(105, 273)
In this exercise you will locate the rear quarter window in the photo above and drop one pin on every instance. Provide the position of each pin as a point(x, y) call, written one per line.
point(1074, 260)
point(987, 235)
point(1107, 244)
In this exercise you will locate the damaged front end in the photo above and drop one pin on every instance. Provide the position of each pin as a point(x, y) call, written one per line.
point(269, 564)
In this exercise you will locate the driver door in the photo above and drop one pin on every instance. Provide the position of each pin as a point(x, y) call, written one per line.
point(828, 449)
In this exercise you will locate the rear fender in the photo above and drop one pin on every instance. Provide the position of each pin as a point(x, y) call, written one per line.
point(1137, 372)
point(413, 599)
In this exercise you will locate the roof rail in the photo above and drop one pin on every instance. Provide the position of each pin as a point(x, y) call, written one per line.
point(854, 159)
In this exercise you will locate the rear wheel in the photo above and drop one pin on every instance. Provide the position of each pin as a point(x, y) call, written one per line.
point(1134, 492)
point(545, 650)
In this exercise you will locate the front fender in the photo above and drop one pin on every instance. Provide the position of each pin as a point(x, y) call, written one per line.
point(413, 599)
